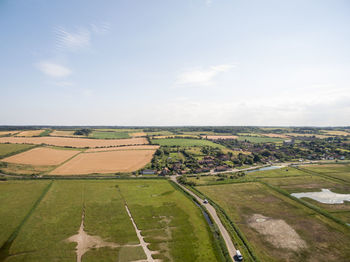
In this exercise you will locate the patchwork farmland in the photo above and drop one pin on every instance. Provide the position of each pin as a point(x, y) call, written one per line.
point(171, 225)
point(74, 142)
point(128, 213)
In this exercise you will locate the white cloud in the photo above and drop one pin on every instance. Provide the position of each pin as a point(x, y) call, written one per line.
point(53, 70)
point(208, 2)
point(100, 28)
point(202, 77)
point(72, 40)
point(63, 83)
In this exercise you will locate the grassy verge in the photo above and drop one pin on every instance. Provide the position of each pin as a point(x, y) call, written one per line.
point(220, 244)
point(237, 236)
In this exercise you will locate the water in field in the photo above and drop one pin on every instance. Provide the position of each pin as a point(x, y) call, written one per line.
point(325, 196)
point(264, 168)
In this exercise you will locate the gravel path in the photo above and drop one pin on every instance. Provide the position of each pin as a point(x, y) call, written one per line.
point(142, 241)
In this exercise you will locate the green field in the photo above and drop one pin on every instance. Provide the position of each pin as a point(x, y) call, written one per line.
point(16, 200)
point(109, 134)
point(258, 139)
point(184, 142)
point(339, 171)
point(315, 184)
point(292, 232)
point(168, 220)
point(11, 149)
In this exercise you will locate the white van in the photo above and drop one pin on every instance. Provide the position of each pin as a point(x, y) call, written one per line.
point(239, 255)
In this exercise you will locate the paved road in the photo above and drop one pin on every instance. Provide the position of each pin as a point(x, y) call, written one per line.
point(211, 210)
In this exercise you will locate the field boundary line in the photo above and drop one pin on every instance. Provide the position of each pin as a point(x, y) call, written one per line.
point(236, 233)
point(323, 175)
point(217, 237)
point(17, 152)
point(55, 167)
point(7, 244)
point(307, 204)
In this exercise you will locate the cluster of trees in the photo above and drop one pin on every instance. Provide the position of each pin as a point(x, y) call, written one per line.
point(82, 132)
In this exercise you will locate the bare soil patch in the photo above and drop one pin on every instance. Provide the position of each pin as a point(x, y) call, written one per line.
point(220, 137)
point(277, 232)
point(106, 162)
point(74, 142)
point(41, 157)
point(85, 242)
point(120, 148)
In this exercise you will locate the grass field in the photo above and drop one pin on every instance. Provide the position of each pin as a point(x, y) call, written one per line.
point(16, 200)
point(315, 184)
point(10, 149)
point(278, 228)
point(109, 134)
point(340, 171)
point(172, 225)
point(258, 139)
point(184, 142)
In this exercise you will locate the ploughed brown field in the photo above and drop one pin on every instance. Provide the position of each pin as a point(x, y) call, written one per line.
point(105, 162)
point(30, 133)
point(74, 142)
point(141, 147)
point(41, 157)
point(220, 137)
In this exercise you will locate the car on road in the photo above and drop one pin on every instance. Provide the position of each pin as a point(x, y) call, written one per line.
point(239, 255)
point(205, 201)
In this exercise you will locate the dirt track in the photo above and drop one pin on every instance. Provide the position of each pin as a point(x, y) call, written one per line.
point(74, 142)
point(211, 210)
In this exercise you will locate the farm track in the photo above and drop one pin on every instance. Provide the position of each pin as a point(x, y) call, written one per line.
point(143, 244)
point(211, 210)
point(5, 248)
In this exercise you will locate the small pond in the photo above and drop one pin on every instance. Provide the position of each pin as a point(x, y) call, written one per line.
point(264, 168)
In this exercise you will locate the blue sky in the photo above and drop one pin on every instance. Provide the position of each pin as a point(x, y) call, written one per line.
point(183, 62)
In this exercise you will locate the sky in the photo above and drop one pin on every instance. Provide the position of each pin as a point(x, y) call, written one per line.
point(183, 62)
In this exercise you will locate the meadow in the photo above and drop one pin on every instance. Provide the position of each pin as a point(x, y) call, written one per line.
point(109, 134)
point(171, 224)
point(338, 171)
point(279, 228)
point(260, 139)
point(314, 183)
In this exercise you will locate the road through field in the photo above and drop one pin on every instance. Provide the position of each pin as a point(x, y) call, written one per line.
point(211, 210)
